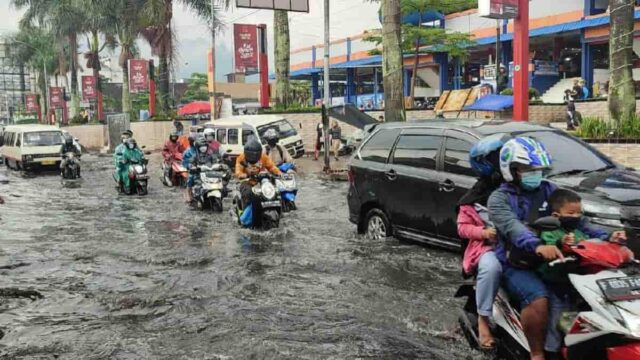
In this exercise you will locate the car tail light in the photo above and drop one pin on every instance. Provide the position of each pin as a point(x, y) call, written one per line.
point(626, 352)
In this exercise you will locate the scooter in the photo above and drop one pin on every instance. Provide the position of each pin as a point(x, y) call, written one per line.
point(211, 186)
point(288, 187)
point(266, 195)
point(173, 173)
point(603, 324)
point(71, 170)
point(138, 178)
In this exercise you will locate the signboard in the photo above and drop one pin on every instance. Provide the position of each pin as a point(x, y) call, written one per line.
point(498, 9)
point(56, 97)
point(89, 88)
point(288, 5)
point(138, 75)
point(246, 48)
point(545, 68)
point(31, 103)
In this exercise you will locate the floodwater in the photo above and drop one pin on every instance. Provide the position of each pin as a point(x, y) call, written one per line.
point(86, 273)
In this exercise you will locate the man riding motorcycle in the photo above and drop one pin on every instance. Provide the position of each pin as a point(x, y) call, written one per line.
point(276, 152)
point(118, 156)
point(68, 147)
point(195, 155)
point(252, 162)
point(171, 151)
point(521, 199)
point(131, 154)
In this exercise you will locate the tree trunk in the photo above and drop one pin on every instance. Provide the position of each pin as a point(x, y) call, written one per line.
point(163, 82)
point(75, 97)
point(95, 48)
point(416, 60)
point(622, 95)
point(126, 97)
point(392, 66)
point(282, 60)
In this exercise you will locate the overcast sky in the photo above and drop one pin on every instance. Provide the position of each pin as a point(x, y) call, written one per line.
point(349, 17)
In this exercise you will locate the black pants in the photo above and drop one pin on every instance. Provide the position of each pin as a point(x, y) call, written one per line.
point(248, 197)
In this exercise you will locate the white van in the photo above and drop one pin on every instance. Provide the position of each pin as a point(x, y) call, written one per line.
point(233, 132)
point(31, 146)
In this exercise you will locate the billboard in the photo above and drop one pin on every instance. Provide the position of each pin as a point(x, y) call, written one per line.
point(89, 89)
point(288, 5)
point(31, 103)
point(498, 9)
point(246, 48)
point(56, 97)
point(138, 75)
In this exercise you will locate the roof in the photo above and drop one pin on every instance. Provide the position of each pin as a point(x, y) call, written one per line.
point(32, 127)
point(479, 126)
point(255, 120)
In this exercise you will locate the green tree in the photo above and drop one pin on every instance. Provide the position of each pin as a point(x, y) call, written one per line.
point(282, 57)
point(197, 90)
point(622, 95)
point(392, 61)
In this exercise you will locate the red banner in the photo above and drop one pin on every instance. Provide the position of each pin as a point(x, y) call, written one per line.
point(56, 97)
point(31, 103)
point(89, 88)
point(138, 75)
point(498, 9)
point(246, 48)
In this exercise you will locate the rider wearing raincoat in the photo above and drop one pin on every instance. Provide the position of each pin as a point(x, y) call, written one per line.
point(131, 154)
point(118, 154)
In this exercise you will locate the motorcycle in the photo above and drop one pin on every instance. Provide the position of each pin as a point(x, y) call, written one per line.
point(71, 170)
point(266, 194)
point(288, 187)
point(211, 186)
point(604, 322)
point(138, 178)
point(173, 173)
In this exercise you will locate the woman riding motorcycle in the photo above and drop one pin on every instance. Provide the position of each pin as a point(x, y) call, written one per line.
point(131, 154)
point(172, 148)
point(276, 152)
point(521, 199)
point(118, 154)
point(252, 162)
point(196, 154)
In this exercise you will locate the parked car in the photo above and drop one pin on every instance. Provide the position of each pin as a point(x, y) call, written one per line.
point(406, 179)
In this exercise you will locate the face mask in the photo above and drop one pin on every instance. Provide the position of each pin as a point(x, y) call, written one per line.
point(570, 223)
point(131, 146)
point(203, 149)
point(124, 140)
point(531, 180)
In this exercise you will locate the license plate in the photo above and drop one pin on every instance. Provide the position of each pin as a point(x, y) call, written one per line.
point(48, 162)
point(620, 288)
point(268, 204)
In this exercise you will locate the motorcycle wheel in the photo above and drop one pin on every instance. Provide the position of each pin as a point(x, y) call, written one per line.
point(216, 205)
point(270, 220)
point(142, 189)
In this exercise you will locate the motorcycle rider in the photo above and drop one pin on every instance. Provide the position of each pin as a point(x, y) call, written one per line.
point(276, 152)
point(170, 151)
point(197, 152)
point(131, 154)
point(521, 199)
point(215, 149)
point(252, 162)
point(118, 154)
point(68, 147)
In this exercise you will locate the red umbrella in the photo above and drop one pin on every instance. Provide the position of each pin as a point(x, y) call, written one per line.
point(195, 108)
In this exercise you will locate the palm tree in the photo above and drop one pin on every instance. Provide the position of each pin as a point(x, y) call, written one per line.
point(282, 56)
point(622, 102)
point(392, 62)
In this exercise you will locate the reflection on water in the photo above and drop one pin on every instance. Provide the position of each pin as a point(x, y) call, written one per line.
point(146, 277)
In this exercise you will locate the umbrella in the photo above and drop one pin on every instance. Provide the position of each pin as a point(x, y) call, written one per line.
point(195, 108)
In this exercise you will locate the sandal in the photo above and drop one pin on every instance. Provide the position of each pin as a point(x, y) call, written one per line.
point(487, 344)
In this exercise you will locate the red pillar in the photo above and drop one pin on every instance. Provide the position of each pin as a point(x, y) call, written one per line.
point(264, 66)
point(521, 63)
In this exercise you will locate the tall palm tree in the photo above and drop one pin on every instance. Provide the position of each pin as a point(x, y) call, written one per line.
point(622, 102)
point(392, 62)
point(282, 56)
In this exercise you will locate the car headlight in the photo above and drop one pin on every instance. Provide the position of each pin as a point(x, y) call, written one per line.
point(268, 190)
point(606, 210)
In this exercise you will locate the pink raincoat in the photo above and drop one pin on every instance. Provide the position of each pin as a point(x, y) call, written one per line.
point(470, 227)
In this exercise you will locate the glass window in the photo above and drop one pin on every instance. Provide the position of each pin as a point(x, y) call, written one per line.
point(221, 136)
point(246, 134)
point(232, 136)
point(42, 138)
point(379, 146)
point(18, 139)
point(456, 157)
point(282, 127)
point(420, 151)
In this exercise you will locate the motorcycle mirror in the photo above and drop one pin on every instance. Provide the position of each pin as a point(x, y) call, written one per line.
point(143, 147)
point(147, 152)
point(547, 223)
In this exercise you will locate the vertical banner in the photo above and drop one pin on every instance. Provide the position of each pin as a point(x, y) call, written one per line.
point(138, 75)
point(246, 48)
point(89, 88)
point(56, 97)
point(211, 71)
point(31, 103)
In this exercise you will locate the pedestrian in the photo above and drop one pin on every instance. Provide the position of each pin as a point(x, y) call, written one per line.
point(577, 92)
point(381, 118)
point(571, 110)
point(336, 138)
point(319, 139)
point(179, 128)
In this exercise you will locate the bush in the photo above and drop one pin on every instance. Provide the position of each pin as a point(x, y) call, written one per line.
point(598, 128)
point(533, 93)
point(290, 110)
point(78, 120)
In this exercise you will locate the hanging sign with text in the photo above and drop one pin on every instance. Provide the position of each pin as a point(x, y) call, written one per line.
point(138, 75)
point(89, 89)
point(246, 48)
point(498, 9)
point(31, 103)
point(56, 97)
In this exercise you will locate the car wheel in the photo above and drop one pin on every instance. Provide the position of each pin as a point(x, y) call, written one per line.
point(377, 225)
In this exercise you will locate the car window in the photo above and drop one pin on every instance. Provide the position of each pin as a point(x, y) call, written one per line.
point(456, 157)
point(420, 151)
point(283, 128)
point(246, 134)
point(377, 149)
point(221, 136)
point(42, 138)
point(18, 139)
point(232, 136)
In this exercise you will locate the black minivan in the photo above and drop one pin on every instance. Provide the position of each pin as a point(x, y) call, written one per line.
point(406, 179)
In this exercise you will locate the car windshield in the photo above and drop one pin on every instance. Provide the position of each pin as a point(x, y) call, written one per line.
point(570, 155)
point(282, 127)
point(42, 138)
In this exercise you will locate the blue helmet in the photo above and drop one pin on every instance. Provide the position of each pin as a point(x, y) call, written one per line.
point(524, 151)
point(478, 156)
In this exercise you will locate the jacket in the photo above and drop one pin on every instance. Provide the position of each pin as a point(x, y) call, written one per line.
point(470, 227)
point(64, 149)
point(265, 163)
point(187, 155)
point(279, 155)
point(171, 149)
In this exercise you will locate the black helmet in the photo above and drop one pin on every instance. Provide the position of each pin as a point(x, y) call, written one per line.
point(252, 150)
point(271, 137)
point(68, 140)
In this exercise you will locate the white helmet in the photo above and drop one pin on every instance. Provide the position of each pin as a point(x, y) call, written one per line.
point(525, 151)
point(209, 133)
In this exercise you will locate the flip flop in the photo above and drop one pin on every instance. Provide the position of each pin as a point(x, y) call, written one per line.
point(487, 345)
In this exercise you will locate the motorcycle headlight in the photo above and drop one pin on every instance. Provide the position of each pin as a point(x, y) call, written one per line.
point(268, 190)
point(139, 169)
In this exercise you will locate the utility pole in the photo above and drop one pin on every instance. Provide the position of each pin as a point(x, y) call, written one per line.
point(327, 88)
point(521, 63)
point(498, 75)
point(214, 114)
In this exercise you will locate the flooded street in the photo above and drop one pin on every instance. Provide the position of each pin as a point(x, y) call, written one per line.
point(88, 274)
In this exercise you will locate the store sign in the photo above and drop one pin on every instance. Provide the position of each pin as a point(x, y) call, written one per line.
point(89, 88)
point(288, 5)
point(31, 103)
point(56, 97)
point(498, 9)
point(246, 48)
point(545, 68)
point(138, 75)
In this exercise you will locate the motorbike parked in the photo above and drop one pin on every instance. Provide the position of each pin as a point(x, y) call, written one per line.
point(604, 323)
point(211, 186)
point(138, 178)
point(267, 215)
point(71, 169)
point(288, 187)
point(173, 173)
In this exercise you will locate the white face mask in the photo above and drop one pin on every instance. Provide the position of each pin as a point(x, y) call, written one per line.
point(203, 149)
point(131, 146)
